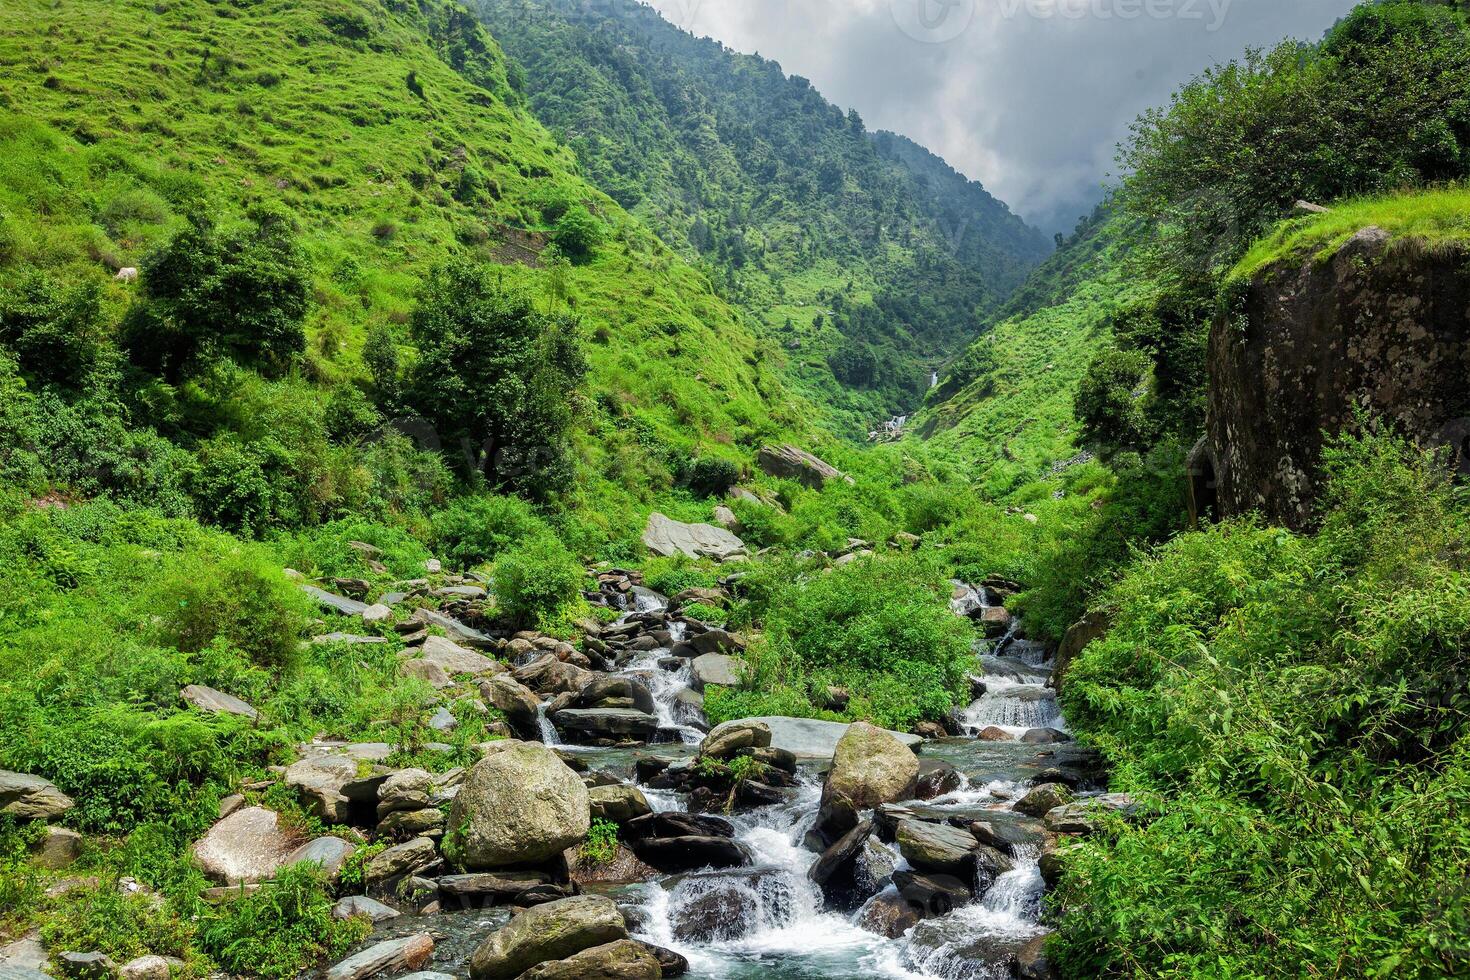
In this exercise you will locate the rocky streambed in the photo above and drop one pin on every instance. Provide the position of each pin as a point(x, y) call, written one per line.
point(776, 847)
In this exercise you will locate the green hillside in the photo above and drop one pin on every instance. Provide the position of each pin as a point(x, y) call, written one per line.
point(389, 134)
point(865, 256)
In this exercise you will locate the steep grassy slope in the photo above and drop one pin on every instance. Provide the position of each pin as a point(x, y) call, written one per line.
point(1004, 408)
point(389, 131)
point(865, 255)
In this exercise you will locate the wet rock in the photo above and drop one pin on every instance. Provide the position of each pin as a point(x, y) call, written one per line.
point(674, 824)
point(930, 730)
point(724, 906)
point(1042, 799)
point(718, 669)
point(621, 960)
point(519, 805)
point(624, 690)
point(619, 803)
point(28, 797)
point(666, 537)
point(790, 463)
point(87, 966)
point(428, 822)
point(247, 846)
point(937, 847)
point(327, 853)
point(936, 779)
point(501, 888)
point(361, 906)
point(995, 620)
point(870, 766)
point(931, 894)
point(1032, 963)
point(210, 701)
point(889, 914)
point(553, 931)
point(320, 779)
point(735, 737)
point(837, 871)
point(1045, 736)
point(57, 848)
point(670, 962)
point(389, 956)
point(614, 724)
point(1011, 833)
point(672, 855)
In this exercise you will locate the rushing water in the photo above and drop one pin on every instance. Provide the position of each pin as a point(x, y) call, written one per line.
point(769, 920)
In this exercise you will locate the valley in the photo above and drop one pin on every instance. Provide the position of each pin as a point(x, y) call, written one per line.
point(516, 490)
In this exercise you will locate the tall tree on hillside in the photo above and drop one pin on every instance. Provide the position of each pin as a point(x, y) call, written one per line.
point(496, 377)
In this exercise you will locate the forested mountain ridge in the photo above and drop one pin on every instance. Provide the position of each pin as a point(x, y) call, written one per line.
point(869, 258)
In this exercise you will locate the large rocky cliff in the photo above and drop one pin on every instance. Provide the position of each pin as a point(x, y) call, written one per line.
point(1383, 324)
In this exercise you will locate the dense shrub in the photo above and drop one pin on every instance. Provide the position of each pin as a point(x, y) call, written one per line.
point(537, 580)
point(56, 332)
point(578, 233)
point(281, 930)
point(712, 476)
point(1294, 709)
point(239, 291)
point(496, 377)
point(474, 530)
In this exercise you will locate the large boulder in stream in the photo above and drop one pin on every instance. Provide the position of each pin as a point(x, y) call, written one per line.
point(735, 737)
point(621, 960)
point(514, 700)
point(519, 805)
point(554, 931)
point(869, 767)
point(606, 724)
point(808, 738)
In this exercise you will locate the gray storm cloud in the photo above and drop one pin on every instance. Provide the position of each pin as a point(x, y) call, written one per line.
point(1030, 97)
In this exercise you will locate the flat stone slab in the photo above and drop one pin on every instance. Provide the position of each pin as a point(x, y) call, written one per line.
point(667, 537)
point(208, 700)
point(455, 659)
point(336, 603)
point(809, 738)
point(393, 955)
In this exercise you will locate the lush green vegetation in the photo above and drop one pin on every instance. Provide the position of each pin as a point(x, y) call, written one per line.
point(867, 257)
point(1293, 710)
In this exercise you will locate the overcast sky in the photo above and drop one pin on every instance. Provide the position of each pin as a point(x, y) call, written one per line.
point(1029, 97)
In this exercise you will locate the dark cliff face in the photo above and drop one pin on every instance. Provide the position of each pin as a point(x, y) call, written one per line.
point(1383, 325)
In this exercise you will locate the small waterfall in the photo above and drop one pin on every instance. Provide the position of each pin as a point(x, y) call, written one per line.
point(665, 686)
point(549, 734)
point(1011, 705)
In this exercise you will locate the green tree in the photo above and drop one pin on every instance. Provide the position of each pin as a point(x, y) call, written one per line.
point(578, 233)
point(496, 376)
point(56, 332)
point(238, 291)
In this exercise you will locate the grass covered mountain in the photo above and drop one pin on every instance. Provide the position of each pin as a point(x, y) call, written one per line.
point(388, 136)
point(866, 256)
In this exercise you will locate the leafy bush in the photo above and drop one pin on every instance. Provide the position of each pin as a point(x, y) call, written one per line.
point(762, 524)
point(670, 576)
point(56, 332)
point(232, 594)
point(474, 530)
point(283, 929)
point(239, 291)
point(123, 925)
point(601, 844)
point(1294, 709)
point(496, 377)
point(712, 476)
point(578, 233)
point(537, 579)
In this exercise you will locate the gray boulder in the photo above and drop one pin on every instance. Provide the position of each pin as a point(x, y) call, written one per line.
point(621, 960)
point(666, 537)
point(1042, 799)
point(455, 659)
point(937, 847)
point(717, 668)
point(791, 463)
point(210, 701)
point(519, 805)
point(57, 848)
point(389, 956)
point(400, 860)
point(361, 906)
point(870, 766)
point(28, 797)
point(808, 738)
point(616, 724)
point(554, 931)
point(87, 966)
point(515, 700)
point(730, 738)
point(619, 804)
point(245, 847)
point(328, 853)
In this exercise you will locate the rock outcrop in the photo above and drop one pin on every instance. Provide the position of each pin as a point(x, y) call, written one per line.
point(667, 537)
point(1383, 324)
point(791, 463)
